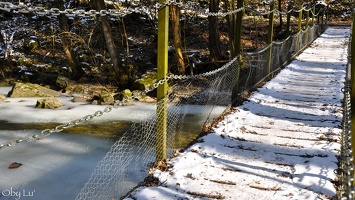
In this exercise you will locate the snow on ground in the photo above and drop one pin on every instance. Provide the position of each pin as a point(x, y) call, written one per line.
point(280, 144)
point(71, 111)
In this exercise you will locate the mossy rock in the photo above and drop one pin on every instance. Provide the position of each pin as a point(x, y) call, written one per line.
point(49, 103)
point(106, 97)
point(62, 82)
point(79, 99)
point(126, 94)
point(79, 89)
point(31, 90)
point(145, 82)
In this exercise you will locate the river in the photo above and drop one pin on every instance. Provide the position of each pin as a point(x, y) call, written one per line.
point(58, 166)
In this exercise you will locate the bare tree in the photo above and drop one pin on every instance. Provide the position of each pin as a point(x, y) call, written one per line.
point(176, 31)
point(214, 41)
point(66, 41)
point(231, 21)
point(120, 71)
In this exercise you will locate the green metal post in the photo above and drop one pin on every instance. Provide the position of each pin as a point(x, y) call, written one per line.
point(237, 42)
point(307, 25)
point(299, 28)
point(162, 91)
point(270, 34)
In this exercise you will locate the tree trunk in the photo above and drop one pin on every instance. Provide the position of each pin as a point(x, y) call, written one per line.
point(280, 9)
point(176, 31)
point(120, 72)
point(66, 41)
point(231, 21)
point(214, 42)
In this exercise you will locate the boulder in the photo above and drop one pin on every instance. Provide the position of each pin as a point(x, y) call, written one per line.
point(62, 82)
point(106, 97)
point(31, 90)
point(2, 97)
point(49, 103)
point(126, 94)
point(79, 89)
point(145, 82)
point(79, 99)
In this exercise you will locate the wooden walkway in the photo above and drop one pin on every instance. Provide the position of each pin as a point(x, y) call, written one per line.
point(280, 144)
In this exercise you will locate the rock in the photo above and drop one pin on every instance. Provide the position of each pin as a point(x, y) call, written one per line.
point(79, 99)
point(148, 99)
point(48, 103)
point(31, 90)
point(2, 97)
point(145, 82)
point(106, 97)
point(79, 89)
point(62, 82)
point(126, 94)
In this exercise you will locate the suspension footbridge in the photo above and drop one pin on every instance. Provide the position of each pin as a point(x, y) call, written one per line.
point(289, 139)
point(282, 143)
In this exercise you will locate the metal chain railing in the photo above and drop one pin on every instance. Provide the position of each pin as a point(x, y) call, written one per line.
point(123, 11)
point(346, 161)
point(87, 118)
point(346, 168)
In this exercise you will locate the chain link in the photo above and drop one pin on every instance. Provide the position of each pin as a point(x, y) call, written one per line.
point(123, 11)
point(87, 118)
point(346, 161)
point(346, 164)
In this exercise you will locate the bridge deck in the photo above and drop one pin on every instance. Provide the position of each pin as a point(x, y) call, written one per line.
point(280, 144)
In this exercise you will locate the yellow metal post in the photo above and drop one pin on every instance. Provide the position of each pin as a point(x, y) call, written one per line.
point(307, 25)
point(270, 37)
point(299, 28)
point(162, 91)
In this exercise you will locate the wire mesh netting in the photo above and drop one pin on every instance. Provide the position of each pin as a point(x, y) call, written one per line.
point(208, 95)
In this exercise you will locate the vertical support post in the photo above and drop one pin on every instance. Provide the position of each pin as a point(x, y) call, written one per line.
point(299, 28)
point(270, 34)
point(237, 42)
point(307, 25)
point(162, 91)
point(288, 22)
